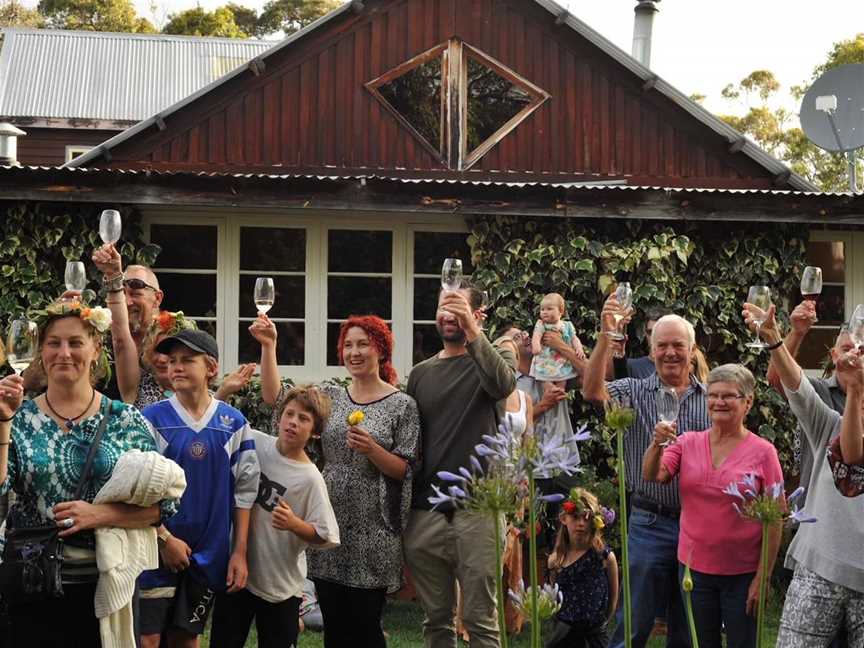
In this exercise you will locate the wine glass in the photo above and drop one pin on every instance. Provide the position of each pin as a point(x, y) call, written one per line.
point(75, 276)
point(485, 301)
point(624, 295)
point(759, 296)
point(265, 294)
point(811, 285)
point(22, 343)
point(667, 407)
point(451, 274)
point(110, 226)
point(856, 326)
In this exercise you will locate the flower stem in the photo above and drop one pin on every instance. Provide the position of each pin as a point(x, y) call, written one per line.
point(622, 517)
point(532, 567)
point(763, 590)
point(694, 639)
point(499, 580)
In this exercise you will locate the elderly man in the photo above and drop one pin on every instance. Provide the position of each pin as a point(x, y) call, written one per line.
point(656, 508)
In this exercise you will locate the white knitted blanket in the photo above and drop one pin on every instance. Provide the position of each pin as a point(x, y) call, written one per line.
point(142, 479)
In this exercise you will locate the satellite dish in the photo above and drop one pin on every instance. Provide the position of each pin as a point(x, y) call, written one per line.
point(832, 112)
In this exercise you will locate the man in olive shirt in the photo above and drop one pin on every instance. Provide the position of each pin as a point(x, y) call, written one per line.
point(458, 393)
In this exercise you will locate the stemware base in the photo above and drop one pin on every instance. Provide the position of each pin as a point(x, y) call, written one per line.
point(756, 345)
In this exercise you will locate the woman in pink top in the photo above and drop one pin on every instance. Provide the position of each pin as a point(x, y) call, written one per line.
point(722, 549)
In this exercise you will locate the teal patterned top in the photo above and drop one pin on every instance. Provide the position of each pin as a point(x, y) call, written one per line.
point(45, 462)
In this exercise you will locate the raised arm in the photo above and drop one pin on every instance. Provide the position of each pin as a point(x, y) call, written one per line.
point(852, 428)
point(594, 380)
point(264, 331)
point(788, 371)
point(537, 338)
point(127, 359)
point(11, 397)
point(801, 319)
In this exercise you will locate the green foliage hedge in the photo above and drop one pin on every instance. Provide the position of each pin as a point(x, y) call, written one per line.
point(702, 272)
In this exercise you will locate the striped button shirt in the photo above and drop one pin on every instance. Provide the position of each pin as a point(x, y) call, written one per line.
point(642, 396)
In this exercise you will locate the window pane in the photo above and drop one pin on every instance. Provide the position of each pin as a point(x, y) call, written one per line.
point(815, 351)
point(426, 342)
point(360, 251)
point(830, 256)
point(185, 246)
point(332, 340)
point(426, 298)
point(194, 294)
point(210, 327)
point(290, 344)
point(831, 306)
point(290, 297)
point(492, 102)
point(358, 296)
point(431, 248)
point(273, 248)
point(416, 95)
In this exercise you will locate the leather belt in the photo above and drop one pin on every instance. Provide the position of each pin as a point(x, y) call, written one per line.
point(653, 507)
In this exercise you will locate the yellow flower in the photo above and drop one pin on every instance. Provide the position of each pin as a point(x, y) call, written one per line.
point(356, 417)
point(598, 522)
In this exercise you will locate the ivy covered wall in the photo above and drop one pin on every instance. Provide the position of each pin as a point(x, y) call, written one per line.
point(701, 271)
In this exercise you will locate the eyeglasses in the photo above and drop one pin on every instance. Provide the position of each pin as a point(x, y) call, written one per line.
point(724, 398)
point(137, 285)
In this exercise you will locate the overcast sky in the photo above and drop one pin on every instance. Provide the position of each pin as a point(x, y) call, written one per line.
point(701, 45)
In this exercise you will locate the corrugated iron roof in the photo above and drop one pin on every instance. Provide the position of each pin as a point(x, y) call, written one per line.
point(748, 147)
point(56, 74)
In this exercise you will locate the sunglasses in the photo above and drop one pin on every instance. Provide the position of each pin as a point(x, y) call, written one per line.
point(138, 284)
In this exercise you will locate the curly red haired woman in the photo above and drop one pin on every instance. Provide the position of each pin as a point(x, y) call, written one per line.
point(379, 335)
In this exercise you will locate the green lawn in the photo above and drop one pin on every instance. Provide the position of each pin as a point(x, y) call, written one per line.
point(403, 623)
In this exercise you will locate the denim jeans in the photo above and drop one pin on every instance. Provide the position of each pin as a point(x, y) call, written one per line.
point(653, 548)
point(721, 602)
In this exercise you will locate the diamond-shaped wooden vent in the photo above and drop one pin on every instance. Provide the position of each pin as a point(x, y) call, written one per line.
point(457, 101)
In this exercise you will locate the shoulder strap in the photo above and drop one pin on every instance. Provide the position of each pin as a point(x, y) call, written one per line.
point(91, 455)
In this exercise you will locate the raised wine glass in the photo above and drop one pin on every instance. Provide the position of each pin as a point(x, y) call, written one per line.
point(75, 276)
point(451, 274)
point(811, 285)
point(759, 296)
point(856, 326)
point(265, 294)
point(624, 295)
point(110, 226)
point(668, 405)
point(21, 344)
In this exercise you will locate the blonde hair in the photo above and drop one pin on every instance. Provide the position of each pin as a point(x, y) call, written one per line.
point(99, 368)
point(558, 299)
point(563, 542)
point(700, 364)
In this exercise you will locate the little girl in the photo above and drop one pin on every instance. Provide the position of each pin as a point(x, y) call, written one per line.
point(548, 364)
point(586, 573)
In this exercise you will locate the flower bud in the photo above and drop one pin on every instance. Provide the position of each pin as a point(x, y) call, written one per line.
point(687, 582)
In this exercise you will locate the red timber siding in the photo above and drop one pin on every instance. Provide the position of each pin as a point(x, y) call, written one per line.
point(309, 110)
point(47, 146)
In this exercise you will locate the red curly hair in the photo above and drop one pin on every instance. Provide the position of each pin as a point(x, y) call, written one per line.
point(381, 338)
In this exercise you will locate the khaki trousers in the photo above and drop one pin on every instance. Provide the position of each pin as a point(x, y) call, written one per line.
point(440, 553)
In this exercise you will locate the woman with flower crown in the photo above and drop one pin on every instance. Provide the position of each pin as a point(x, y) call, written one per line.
point(43, 447)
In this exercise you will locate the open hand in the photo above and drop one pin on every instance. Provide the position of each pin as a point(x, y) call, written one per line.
point(236, 381)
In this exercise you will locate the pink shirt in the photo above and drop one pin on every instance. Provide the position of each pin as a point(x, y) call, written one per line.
point(713, 538)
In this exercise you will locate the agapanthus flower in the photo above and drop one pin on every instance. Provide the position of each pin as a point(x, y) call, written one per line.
point(766, 505)
point(549, 600)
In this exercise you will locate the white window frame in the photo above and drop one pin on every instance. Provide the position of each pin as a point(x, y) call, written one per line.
point(317, 226)
point(74, 150)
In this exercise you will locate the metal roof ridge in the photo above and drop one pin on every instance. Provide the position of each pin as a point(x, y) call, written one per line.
point(81, 33)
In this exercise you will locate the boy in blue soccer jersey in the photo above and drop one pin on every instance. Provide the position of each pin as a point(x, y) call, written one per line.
point(213, 444)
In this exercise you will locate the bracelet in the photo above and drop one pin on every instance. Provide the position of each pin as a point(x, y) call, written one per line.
point(2, 443)
point(114, 278)
point(771, 347)
point(6, 420)
point(114, 284)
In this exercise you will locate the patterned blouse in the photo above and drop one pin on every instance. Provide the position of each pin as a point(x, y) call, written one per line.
point(371, 509)
point(848, 478)
point(45, 462)
point(149, 390)
point(585, 586)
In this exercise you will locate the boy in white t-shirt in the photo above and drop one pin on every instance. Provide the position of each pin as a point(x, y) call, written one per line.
point(292, 511)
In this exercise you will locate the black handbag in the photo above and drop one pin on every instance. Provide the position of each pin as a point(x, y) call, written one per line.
point(33, 556)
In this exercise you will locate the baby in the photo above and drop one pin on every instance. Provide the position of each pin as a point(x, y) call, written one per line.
point(548, 364)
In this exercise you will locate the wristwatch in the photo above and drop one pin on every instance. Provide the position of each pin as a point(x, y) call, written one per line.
point(162, 534)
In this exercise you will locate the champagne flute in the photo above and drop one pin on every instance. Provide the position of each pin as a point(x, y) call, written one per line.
point(856, 326)
point(668, 405)
point(110, 226)
point(759, 296)
point(624, 295)
point(265, 294)
point(75, 276)
point(811, 286)
point(22, 343)
point(451, 274)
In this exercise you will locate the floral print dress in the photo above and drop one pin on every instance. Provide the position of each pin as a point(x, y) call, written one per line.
point(371, 509)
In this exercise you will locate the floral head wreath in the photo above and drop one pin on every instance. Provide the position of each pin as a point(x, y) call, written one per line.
point(169, 323)
point(574, 503)
point(96, 316)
